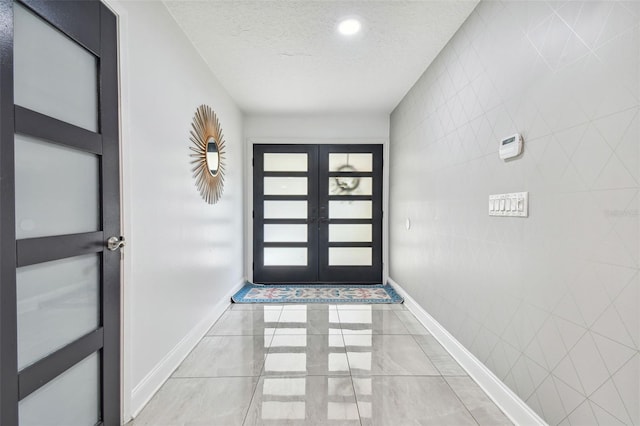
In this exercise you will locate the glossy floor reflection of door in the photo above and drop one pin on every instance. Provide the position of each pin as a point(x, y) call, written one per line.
point(59, 198)
point(317, 213)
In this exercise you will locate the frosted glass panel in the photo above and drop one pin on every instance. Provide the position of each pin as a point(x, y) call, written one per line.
point(52, 74)
point(344, 162)
point(349, 256)
point(71, 399)
point(58, 302)
point(57, 189)
point(285, 209)
point(339, 233)
point(350, 209)
point(350, 186)
point(285, 162)
point(277, 233)
point(285, 256)
point(285, 186)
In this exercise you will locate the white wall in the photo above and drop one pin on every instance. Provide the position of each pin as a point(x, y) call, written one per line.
point(183, 256)
point(326, 126)
point(348, 128)
point(550, 302)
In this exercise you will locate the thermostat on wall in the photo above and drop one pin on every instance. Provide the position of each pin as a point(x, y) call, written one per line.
point(511, 146)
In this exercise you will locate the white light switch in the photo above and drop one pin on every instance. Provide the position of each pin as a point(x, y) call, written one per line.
point(514, 204)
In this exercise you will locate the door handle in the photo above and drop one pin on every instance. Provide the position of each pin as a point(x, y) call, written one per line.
point(311, 220)
point(114, 243)
point(323, 220)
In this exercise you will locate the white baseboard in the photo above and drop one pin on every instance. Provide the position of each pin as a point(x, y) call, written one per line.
point(510, 403)
point(147, 388)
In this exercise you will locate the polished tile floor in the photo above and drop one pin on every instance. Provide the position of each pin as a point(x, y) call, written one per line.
point(319, 365)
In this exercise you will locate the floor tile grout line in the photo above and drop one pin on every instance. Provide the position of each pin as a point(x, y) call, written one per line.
point(415, 338)
point(460, 399)
point(261, 375)
point(403, 375)
point(353, 386)
point(253, 395)
point(194, 347)
point(416, 322)
point(444, 377)
point(268, 347)
point(214, 377)
point(427, 355)
point(286, 375)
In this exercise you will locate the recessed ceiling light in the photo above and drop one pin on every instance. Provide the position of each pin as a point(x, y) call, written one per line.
point(349, 26)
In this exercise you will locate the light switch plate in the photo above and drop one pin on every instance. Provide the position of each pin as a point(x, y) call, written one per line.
point(515, 204)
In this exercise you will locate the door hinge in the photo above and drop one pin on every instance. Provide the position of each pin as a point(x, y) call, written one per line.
point(253, 162)
point(253, 214)
point(253, 266)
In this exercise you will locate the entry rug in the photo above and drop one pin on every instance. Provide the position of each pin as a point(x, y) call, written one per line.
point(316, 293)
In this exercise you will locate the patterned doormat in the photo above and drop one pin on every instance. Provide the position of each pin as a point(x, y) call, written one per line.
point(316, 293)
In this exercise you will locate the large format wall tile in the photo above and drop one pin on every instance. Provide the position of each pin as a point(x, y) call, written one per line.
point(550, 302)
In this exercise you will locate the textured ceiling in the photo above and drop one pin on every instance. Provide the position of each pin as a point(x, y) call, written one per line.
point(286, 56)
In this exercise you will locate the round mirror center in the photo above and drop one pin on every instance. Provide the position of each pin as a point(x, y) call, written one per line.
point(213, 157)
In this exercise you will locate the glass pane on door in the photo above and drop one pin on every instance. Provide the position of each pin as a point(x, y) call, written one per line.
point(347, 185)
point(346, 233)
point(350, 209)
point(350, 162)
point(285, 256)
point(285, 162)
point(58, 302)
point(53, 75)
point(71, 399)
point(57, 189)
point(285, 186)
point(285, 233)
point(350, 256)
point(275, 209)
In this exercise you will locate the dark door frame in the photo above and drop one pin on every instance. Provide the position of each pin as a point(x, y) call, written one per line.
point(93, 26)
point(318, 196)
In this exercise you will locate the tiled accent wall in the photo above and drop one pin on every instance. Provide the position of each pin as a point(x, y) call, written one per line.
point(550, 302)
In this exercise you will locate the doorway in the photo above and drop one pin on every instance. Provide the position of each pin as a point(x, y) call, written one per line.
point(317, 214)
point(60, 203)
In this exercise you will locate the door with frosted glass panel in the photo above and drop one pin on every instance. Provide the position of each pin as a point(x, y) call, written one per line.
point(285, 213)
point(60, 288)
point(350, 213)
point(317, 213)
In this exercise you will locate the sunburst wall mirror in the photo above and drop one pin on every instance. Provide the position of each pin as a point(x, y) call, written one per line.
point(208, 154)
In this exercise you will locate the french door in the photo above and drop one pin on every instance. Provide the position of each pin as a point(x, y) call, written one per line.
point(59, 204)
point(317, 213)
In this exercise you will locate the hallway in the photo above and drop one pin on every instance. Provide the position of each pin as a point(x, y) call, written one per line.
point(319, 364)
point(481, 157)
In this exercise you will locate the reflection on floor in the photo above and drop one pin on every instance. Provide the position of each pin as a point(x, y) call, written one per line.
point(319, 365)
